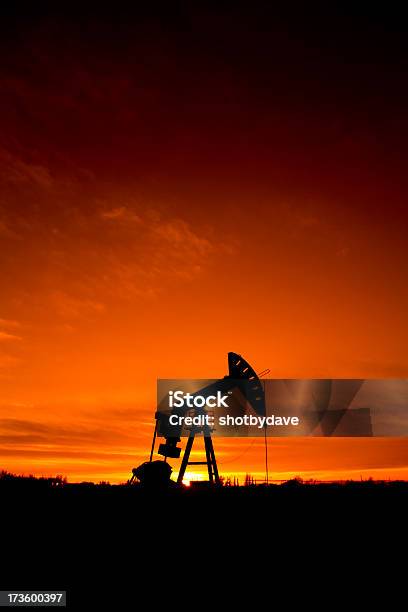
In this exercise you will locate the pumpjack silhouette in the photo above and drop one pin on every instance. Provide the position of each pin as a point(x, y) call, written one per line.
point(157, 473)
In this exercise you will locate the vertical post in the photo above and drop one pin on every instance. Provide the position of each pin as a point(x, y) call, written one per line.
point(153, 442)
point(266, 455)
point(266, 438)
point(214, 462)
point(185, 458)
point(207, 443)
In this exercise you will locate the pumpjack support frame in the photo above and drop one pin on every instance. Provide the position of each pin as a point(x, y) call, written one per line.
point(210, 461)
point(239, 370)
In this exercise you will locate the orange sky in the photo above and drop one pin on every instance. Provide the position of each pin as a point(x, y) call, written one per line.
point(165, 201)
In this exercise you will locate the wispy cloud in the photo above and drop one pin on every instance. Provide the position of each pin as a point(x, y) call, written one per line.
point(121, 213)
point(5, 336)
point(86, 251)
point(9, 323)
point(179, 234)
point(89, 433)
point(13, 169)
point(72, 307)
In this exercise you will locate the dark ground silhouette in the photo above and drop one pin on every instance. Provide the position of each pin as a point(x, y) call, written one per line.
point(100, 541)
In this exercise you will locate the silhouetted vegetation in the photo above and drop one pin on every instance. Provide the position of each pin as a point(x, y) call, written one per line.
point(13, 483)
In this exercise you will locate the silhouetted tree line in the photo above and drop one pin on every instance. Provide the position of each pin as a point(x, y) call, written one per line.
point(51, 481)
